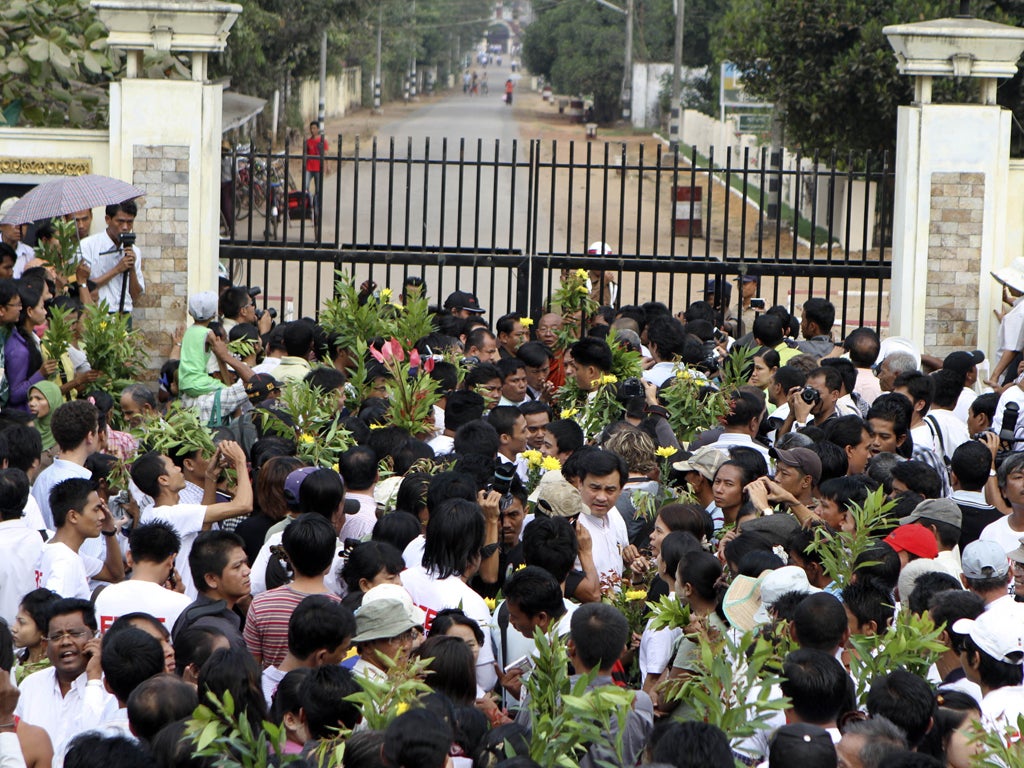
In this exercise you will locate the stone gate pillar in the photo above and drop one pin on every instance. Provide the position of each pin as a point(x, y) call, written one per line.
point(165, 138)
point(951, 177)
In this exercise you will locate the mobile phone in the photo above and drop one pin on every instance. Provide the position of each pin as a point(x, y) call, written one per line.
point(757, 304)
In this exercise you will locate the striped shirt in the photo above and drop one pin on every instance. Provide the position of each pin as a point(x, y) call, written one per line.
point(266, 623)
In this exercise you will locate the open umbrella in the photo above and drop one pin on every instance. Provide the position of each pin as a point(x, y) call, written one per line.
point(67, 195)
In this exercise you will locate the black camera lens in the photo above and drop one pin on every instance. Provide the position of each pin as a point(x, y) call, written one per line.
point(810, 395)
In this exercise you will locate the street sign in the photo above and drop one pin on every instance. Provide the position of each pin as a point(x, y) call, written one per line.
point(760, 122)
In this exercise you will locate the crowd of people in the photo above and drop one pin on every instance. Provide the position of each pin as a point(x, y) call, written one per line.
point(130, 597)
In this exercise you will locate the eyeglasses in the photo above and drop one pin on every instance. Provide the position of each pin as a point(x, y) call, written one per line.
point(74, 634)
point(14, 306)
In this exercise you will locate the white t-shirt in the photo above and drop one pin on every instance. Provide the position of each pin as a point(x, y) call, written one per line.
point(117, 600)
point(1001, 707)
point(258, 576)
point(20, 548)
point(65, 571)
point(412, 555)
point(442, 445)
point(610, 537)
point(57, 472)
point(187, 521)
point(1000, 532)
point(1008, 337)
point(434, 595)
point(656, 646)
point(952, 429)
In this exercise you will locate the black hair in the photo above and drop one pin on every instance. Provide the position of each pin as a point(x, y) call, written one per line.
point(920, 387)
point(318, 622)
point(454, 536)
point(688, 517)
point(446, 375)
point(173, 748)
point(478, 337)
point(72, 422)
point(929, 584)
point(750, 460)
point(310, 542)
point(905, 699)
point(703, 572)
point(38, 604)
point(417, 738)
point(534, 354)
point(324, 695)
point(746, 542)
point(13, 493)
point(970, 463)
point(845, 431)
point(532, 407)
point(477, 437)
point(233, 301)
point(68, 495)
point(754, 563)
point(412, 495)
point(22, 444)
point(128, 206)
point(287, 698)
point(92, 749)
point(863, 346)
point(450, 667)
point(235, 671)
point(768, 330)
point(508, 366)
point(146, 472)
point(450, 617)
point(994, 673)
point(820, 622)
point(668, 335)
point(847, 491)
point(322, 491)
point(599, 632)
point(867, 604)
point(534, 590)
point(449, 485)
point(845, 369)
point(210, 553)
point(128, 658)
point(193, 646)
point(694, 744)
point(297, 337)
point(368, 558)
point(157, 701)
point(919, 478)
point(598, 463)
point(568, 435)
point(743, 408)
point(503, 418)
point(788, 377)
point(816, 684)
point(821, 312)
point(462, 407)
point(950, 605)
point(358, 467)
point(591, 351)
point(550, 543)
point(834, 463)
point(69, 605)
point(325, 379)
point(675, 547)
point(481, 373)
point(880, 565)
point(153, 542)
point(948, 386)
point(986, 404)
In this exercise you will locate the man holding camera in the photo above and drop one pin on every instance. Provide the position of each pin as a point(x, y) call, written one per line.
point(815, 403)
point(115, 262)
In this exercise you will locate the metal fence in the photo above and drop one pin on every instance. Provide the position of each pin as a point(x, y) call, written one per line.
point(502, 219)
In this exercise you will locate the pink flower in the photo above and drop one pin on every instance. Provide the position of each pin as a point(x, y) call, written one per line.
point(414, 359)
point(428, 364)
point(389, 351)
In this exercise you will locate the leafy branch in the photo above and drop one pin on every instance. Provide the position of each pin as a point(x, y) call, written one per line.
point(218, 732)
point(840, 550)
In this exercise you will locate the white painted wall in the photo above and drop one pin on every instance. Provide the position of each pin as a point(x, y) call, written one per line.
point(63, 143)
point(344, 92)
point(646, 88)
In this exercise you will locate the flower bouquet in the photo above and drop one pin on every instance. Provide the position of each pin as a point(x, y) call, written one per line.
point(117, 352)
point(412, 393)
point(308, 415)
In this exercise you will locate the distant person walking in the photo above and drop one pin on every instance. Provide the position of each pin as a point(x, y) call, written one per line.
point(316, 148)
point(509, 87)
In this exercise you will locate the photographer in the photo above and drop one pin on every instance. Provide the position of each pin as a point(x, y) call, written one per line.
point(238, 305)
point(115, 262)
point(816, 402)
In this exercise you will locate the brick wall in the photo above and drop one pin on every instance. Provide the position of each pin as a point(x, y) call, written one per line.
point(954, 262)
point(162, 227)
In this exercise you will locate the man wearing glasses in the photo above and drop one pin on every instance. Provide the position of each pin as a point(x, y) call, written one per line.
point(68, 698)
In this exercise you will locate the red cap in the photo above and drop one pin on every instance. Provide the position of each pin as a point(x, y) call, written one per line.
point(915, 539)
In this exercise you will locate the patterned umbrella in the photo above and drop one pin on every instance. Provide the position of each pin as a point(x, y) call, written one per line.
point(67, 195)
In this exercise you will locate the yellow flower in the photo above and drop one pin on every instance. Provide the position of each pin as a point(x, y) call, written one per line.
point(526, 322)
point(335, 467)
point(550, 463)
point(377, 426)
point(636, 594)
point(533, 458)
point(491, 603)
point(305, 437)
point(402, 708)
point(583, 289)
point(582, 274)
point(103, 325)
point(609, 378)
point(385, 294)
point(666, 451)
point(521, 566)
point(568, 413)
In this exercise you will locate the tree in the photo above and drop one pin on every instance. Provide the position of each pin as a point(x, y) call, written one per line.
point(54, 64)
point(578, 46)
point(826, 65)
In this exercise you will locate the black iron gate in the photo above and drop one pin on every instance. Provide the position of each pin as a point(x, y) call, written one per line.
point(502, 219)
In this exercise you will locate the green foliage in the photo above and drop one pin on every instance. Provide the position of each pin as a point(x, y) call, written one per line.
point(59, 334)
point(352, 321)
point(999, 750)
point(839, 550)
point(381, 701)
point(308, 415)
point(577, 46)
point(691, 410)
point(218, 732)
point(179, 432)
point(61, 253)
point(827, 65)
point(564, 715)
point(731, 687)
point(669, 613)
point(54, 61)
point(241, 348)
point(119, 354)
point(911, 643)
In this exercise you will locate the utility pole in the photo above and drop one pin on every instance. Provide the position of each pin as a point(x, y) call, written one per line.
point(322, 111)
point(675, 129)
point(627, 76)
point(376, 72)
point(412, 59)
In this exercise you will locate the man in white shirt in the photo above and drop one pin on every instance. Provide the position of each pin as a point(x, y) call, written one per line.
point(79, 514)
point(986, 573)
point(461, 407)
point(742, 423)
point(156, 475)
point(20, 546)
point(358, 467)
point(115, 270)
point(68, 698)
point(949, 429)
point(602, 475)
point(1008, 529)
point(667, 341)
point(74, 426)
point(965, 365)
point(152, 549)
point(510, 425)
point(385, 630)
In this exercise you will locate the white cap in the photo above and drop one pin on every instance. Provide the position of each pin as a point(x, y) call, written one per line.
point(789, 578)
point(395, 592)
point(203, 306)
point(999, 633)
point(1012, 275)
point(893, 344)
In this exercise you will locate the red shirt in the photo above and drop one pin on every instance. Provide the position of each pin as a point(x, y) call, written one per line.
point(313, 152)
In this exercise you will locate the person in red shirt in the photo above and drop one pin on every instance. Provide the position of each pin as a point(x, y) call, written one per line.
point(316, 147)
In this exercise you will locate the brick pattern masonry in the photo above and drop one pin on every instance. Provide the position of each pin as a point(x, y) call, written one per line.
point(162, 226)
point(954, 262)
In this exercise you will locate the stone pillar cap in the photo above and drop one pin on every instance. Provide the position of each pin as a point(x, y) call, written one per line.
point(956, 47)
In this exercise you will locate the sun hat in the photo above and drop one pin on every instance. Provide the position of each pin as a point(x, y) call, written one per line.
point(382, 619)
point(781, 581)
